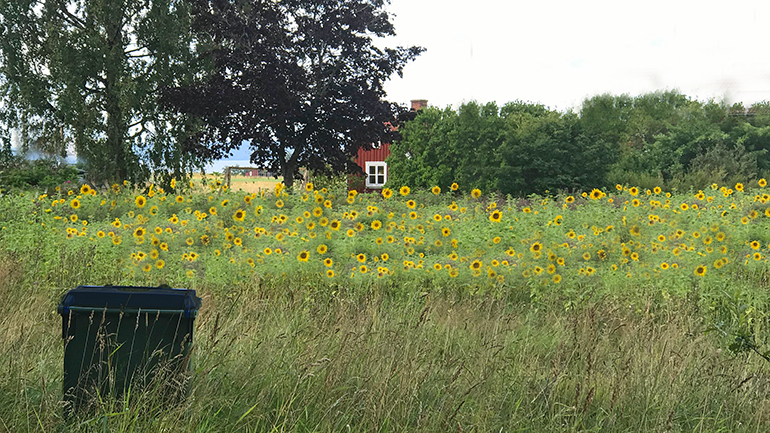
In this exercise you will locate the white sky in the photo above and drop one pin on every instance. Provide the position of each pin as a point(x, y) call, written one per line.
point(559, 52)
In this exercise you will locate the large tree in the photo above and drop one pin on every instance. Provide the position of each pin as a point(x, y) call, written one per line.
point(300, 80)
point(519, 149)
point(440, 147)
point(88, 73)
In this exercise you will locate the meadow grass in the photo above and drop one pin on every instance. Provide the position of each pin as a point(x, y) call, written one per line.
point(280, 358)
point(244, 183)
point(288, 349)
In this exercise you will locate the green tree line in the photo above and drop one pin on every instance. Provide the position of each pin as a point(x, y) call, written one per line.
point(664, 139)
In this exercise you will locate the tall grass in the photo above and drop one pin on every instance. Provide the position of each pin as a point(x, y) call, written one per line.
point(278, 358)
point(283, 347)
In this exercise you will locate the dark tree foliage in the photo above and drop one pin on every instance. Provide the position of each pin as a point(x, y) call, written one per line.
point(519, 149)
point(440, 147)
point(300, 80)
point(666, 138)
point(662, 139)
point(88, 73)
point(552, 153)
point(425, 155)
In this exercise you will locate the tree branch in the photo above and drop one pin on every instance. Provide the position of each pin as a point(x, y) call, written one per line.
point(90, 90)
point(69, 17)
point(142, 121)
point(140, 131)
point(128, 52)
point(139, 56)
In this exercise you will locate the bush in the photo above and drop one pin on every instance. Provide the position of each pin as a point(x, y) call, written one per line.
point(40, 173)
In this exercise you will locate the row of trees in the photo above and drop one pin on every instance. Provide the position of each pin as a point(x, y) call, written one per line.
point(658, 139)
point(151, 87)
point(165, 86)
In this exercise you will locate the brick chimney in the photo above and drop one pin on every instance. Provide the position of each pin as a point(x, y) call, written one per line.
point(419, 104)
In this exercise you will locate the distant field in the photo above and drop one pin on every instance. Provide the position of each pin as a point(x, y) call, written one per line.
point(247, 184)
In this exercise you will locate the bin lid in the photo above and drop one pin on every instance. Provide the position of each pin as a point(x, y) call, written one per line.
point(131, 297)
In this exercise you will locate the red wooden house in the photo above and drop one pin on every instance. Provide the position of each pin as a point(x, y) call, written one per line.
point(372, 161)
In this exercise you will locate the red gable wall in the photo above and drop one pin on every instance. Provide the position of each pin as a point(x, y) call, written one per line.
point(382, 152)
point(378, 154)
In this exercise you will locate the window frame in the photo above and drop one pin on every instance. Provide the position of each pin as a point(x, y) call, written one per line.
point(376, 185)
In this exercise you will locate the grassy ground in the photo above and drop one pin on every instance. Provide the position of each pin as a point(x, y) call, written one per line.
point(278, 357)
point(244, 183)
point(282, 346)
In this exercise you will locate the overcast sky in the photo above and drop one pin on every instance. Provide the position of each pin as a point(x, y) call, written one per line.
point(559, 52)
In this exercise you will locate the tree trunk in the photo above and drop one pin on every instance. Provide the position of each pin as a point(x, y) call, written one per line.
point(115, 145)
point(288, 173)
point(290, 167)
point(116, 124)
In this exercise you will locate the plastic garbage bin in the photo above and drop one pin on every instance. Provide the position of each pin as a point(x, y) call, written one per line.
point(116, 337)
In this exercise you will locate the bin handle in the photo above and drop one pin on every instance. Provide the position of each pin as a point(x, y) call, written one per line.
point(140, 289)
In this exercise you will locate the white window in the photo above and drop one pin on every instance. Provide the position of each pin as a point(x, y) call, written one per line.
point(376, 174)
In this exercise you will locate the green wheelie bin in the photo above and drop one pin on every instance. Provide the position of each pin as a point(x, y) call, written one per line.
point(116, 337)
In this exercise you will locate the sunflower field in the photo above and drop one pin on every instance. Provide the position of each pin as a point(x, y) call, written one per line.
point(414, 310)
point(442, 240)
